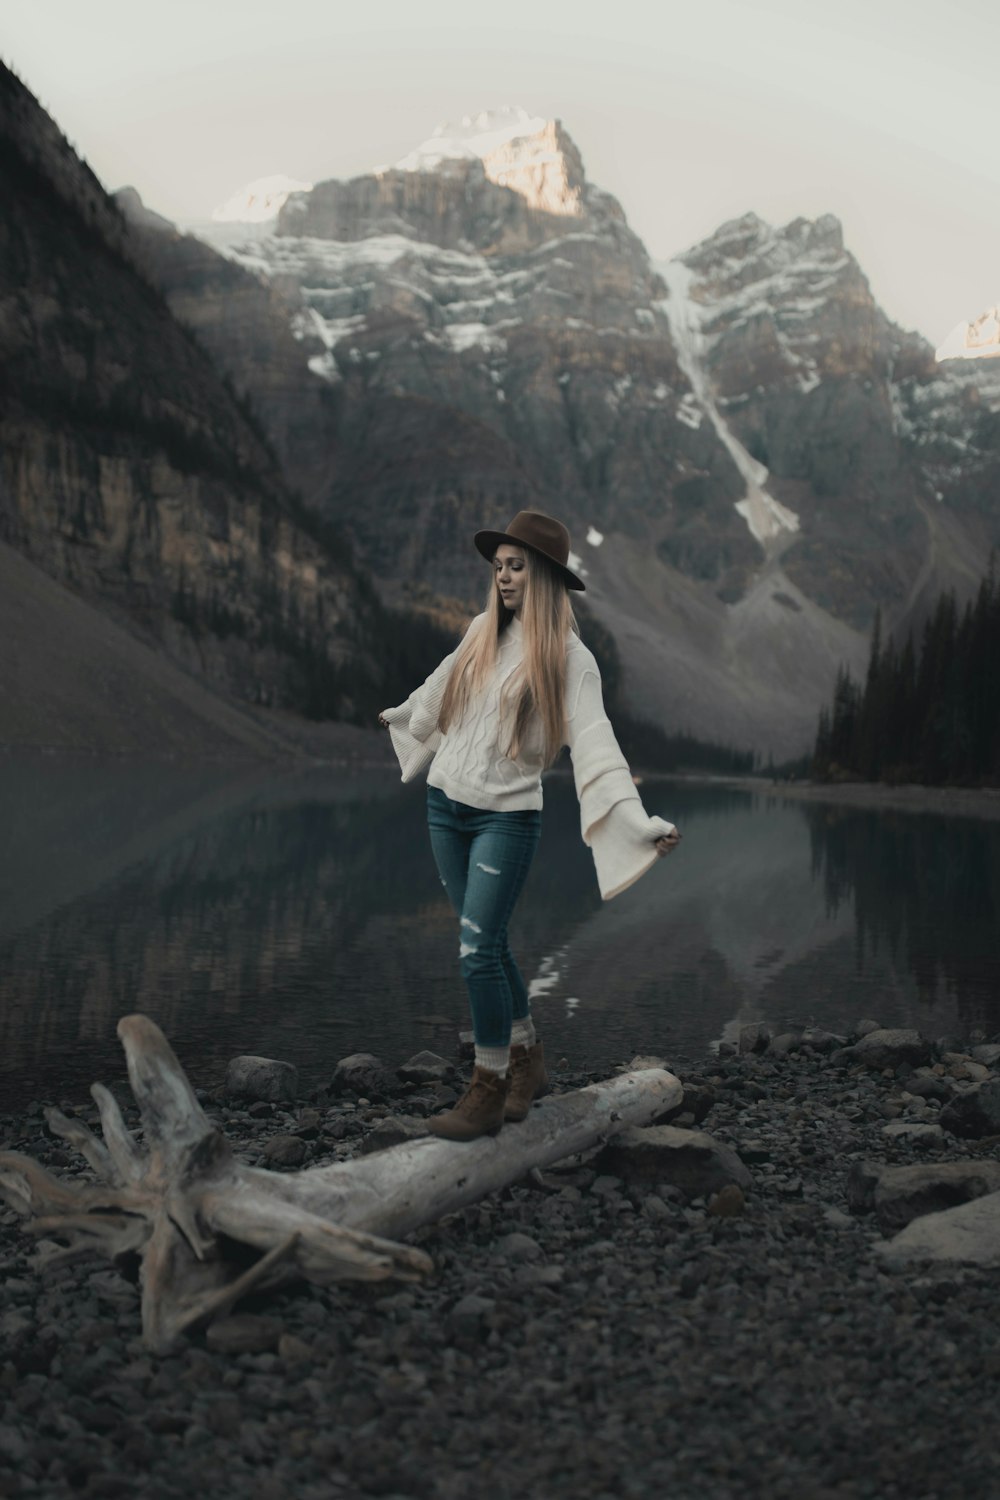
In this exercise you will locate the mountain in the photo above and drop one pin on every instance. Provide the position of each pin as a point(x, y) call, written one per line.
point(763, 455)
point(843, 410)
point(260, 201)
point(75, 679)
point(979, 339)
point(134, 475)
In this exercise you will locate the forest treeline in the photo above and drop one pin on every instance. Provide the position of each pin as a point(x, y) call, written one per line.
point(927, 714)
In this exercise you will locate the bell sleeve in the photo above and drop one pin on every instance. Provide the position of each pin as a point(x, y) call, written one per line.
point(413, 724)
point(619, 832)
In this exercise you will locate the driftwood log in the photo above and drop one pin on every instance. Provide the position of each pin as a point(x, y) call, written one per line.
point(208, 1229)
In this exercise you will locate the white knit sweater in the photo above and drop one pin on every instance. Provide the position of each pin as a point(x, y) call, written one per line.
point(469, 764)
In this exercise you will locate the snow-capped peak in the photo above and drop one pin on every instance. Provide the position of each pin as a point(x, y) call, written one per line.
point(978, 340)
point(473, 136)
point(260, 201)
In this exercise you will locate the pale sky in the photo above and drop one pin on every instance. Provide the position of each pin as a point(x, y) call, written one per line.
point(883, 112)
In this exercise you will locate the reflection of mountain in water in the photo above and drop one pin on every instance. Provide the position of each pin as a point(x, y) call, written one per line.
point(223, 913)
point(700, 942)
point(926, 894)
point(301, 916)
point(297, 915)
point(791, 913)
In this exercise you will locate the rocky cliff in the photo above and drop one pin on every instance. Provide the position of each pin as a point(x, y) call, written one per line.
point(846, 414)
point(131, 472)
point(755, 455)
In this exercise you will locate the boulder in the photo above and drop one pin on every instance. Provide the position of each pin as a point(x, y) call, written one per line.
point(965, 1069)
point(906, 1193)
point(754, 1037)
point(929, 1086)
point(888, 1049)
point(820, 1040)
point(988, 1053)
point(687, 1159)
point(426, 1067)
point(361, 1073)
point(309, 1124)
point(285, 1151)
point(262, 1079)
point(392, 1131)
point(967, 1235)
point(865, 1027)
point(974, 1113)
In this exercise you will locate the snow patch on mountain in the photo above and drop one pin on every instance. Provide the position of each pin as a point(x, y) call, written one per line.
point(463, 336)
point(470, 300)
point(308, 258)
point(260, 201)
point(474, 136)
point(977, 340)
point(782, 276)
point(766, 517)
point(310, 323)
point(688, 410)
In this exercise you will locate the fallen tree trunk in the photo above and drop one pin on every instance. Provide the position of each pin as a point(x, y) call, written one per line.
point(186, 1206)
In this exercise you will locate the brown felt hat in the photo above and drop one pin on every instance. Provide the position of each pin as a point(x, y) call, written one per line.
point(530, 528)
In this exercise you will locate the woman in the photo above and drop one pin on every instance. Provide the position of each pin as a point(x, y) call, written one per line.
point(492, 716)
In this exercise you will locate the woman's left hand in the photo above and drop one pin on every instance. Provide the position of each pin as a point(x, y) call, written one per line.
point(667, 843)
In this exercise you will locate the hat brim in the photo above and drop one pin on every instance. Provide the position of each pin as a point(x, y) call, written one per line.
point(487, 543)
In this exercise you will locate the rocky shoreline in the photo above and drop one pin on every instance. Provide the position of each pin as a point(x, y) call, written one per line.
point(724, 1307)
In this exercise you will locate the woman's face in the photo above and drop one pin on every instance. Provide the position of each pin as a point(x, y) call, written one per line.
point(511, 573)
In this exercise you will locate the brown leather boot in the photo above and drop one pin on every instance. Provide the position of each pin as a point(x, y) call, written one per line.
point(528, 1080)
point(478, 1112)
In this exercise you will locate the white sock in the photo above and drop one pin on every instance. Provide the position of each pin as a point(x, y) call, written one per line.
point(494, 1059)
point(522, 1033)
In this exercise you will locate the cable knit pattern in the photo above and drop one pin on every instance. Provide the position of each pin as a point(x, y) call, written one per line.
point(469, 764)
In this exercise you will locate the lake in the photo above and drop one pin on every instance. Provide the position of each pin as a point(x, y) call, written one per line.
point(299, 915)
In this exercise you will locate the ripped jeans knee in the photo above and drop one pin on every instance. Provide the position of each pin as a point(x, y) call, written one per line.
point(483, 858)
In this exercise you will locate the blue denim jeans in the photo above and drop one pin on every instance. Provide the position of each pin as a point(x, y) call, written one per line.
point(483, 858)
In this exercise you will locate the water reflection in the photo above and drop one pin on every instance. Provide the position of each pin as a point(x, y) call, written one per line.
point(925, 894)
point(300, 916)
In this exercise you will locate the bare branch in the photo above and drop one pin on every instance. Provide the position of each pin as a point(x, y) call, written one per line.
point(119, 1140)
point(85, 1142)
point(173, 1121)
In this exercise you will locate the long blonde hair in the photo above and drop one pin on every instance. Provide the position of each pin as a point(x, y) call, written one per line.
point(539, 684)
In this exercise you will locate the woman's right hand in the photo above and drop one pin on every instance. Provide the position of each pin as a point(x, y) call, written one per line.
point(383, 723)
point(667, 842)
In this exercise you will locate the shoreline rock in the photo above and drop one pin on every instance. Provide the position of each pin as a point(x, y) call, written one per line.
point(623, 1334)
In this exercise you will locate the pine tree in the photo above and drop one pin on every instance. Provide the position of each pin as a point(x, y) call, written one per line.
point(931, 715)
